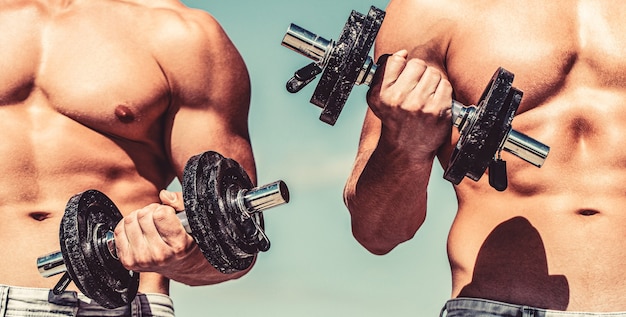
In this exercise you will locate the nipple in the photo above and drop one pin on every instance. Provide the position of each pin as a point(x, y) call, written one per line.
point(124, 114)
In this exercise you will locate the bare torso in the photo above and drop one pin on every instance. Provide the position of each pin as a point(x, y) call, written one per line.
point(557, 237)
point(82, 102)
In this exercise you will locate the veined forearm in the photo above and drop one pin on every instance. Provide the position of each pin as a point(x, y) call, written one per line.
point(195, 270)
point(386, 196)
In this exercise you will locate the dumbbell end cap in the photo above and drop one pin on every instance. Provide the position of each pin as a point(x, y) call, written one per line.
point(284, 191)
point(267, 196)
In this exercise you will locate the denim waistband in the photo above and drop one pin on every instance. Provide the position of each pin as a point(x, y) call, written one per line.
point(474, 307)
point(40, 302)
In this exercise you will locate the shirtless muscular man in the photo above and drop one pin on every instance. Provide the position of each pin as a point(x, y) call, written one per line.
point(555, 240)
point(114, 96)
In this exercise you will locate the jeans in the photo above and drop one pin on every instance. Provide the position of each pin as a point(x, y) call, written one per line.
point(474, 307)
point(39, 302)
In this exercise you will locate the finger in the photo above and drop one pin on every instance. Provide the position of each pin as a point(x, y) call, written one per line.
point(121, 240)
point(392, 68)
point(163, 232)
point(146, 224)
point(173, 199)
point(422, 98)
point(389, 68)
point(170, 230)
point(129, 242)
point(157, 223)
point(411, 75)
point(380, 70)
point(382, 59)
point(428, 83)
point(138, 253)
point(443, 96)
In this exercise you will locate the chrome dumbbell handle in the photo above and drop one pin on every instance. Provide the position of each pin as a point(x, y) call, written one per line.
point(526, 148)
point(248, 201)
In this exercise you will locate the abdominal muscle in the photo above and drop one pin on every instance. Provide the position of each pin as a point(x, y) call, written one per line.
point(43, 168)
point(556, 238)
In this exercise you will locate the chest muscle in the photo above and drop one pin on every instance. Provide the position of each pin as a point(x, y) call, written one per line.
point(86, 68)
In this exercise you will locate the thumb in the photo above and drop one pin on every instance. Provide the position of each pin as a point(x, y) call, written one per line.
point(173, 199)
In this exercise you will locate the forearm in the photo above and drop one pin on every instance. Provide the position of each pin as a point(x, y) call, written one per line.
point(386, 196)
point(195, 270)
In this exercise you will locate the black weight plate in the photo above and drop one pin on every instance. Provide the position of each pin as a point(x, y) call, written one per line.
point(495, 137)
point(245, 230)
point(478, 142)
point(243, 233)
point(499, 132)
point(345, 62)
point(200, 224)
point(225, 236)
point(88, 216)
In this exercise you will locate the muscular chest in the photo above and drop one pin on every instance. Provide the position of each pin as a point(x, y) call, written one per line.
point(87, 68)
point(550, 46)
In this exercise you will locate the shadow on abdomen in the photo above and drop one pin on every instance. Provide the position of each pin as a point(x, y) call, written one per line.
point(512, 267)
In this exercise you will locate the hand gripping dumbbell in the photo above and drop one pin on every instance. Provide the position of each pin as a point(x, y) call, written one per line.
point(485, 129)
point(222, 213)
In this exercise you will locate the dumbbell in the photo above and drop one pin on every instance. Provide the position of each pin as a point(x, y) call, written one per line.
point(485, 129)
point(222, 213)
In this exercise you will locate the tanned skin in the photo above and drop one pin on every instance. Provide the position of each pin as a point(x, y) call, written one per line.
point(556, 238)
point(114, 96)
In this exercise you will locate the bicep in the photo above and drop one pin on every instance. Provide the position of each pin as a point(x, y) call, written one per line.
point(210, 97)
point(422, 27)
point(196, 130)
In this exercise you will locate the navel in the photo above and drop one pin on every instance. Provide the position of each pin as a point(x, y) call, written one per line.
point(124, 114)
point(40, 216)
point(587, 212)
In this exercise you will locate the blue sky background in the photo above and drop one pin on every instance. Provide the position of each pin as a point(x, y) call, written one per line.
point(315, 267)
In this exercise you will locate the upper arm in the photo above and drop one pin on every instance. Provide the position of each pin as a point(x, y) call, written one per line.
point(210, 91)
point(422, 27)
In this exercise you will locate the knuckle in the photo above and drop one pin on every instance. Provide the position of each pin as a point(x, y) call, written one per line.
point(130, 218)
point(139, 266)
point(446, 83)
point(161, 213)
point(424, 110)
point(393, 98)
point(128, 262)
point(177, 243)
point(446, 86)
point(158, 259)
point(185, 245)
point(144, 262)
point(417, 64)
point(432, 73)
point(179, 249)
point(142, 214)
point(118, 231)
point(395, 59)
